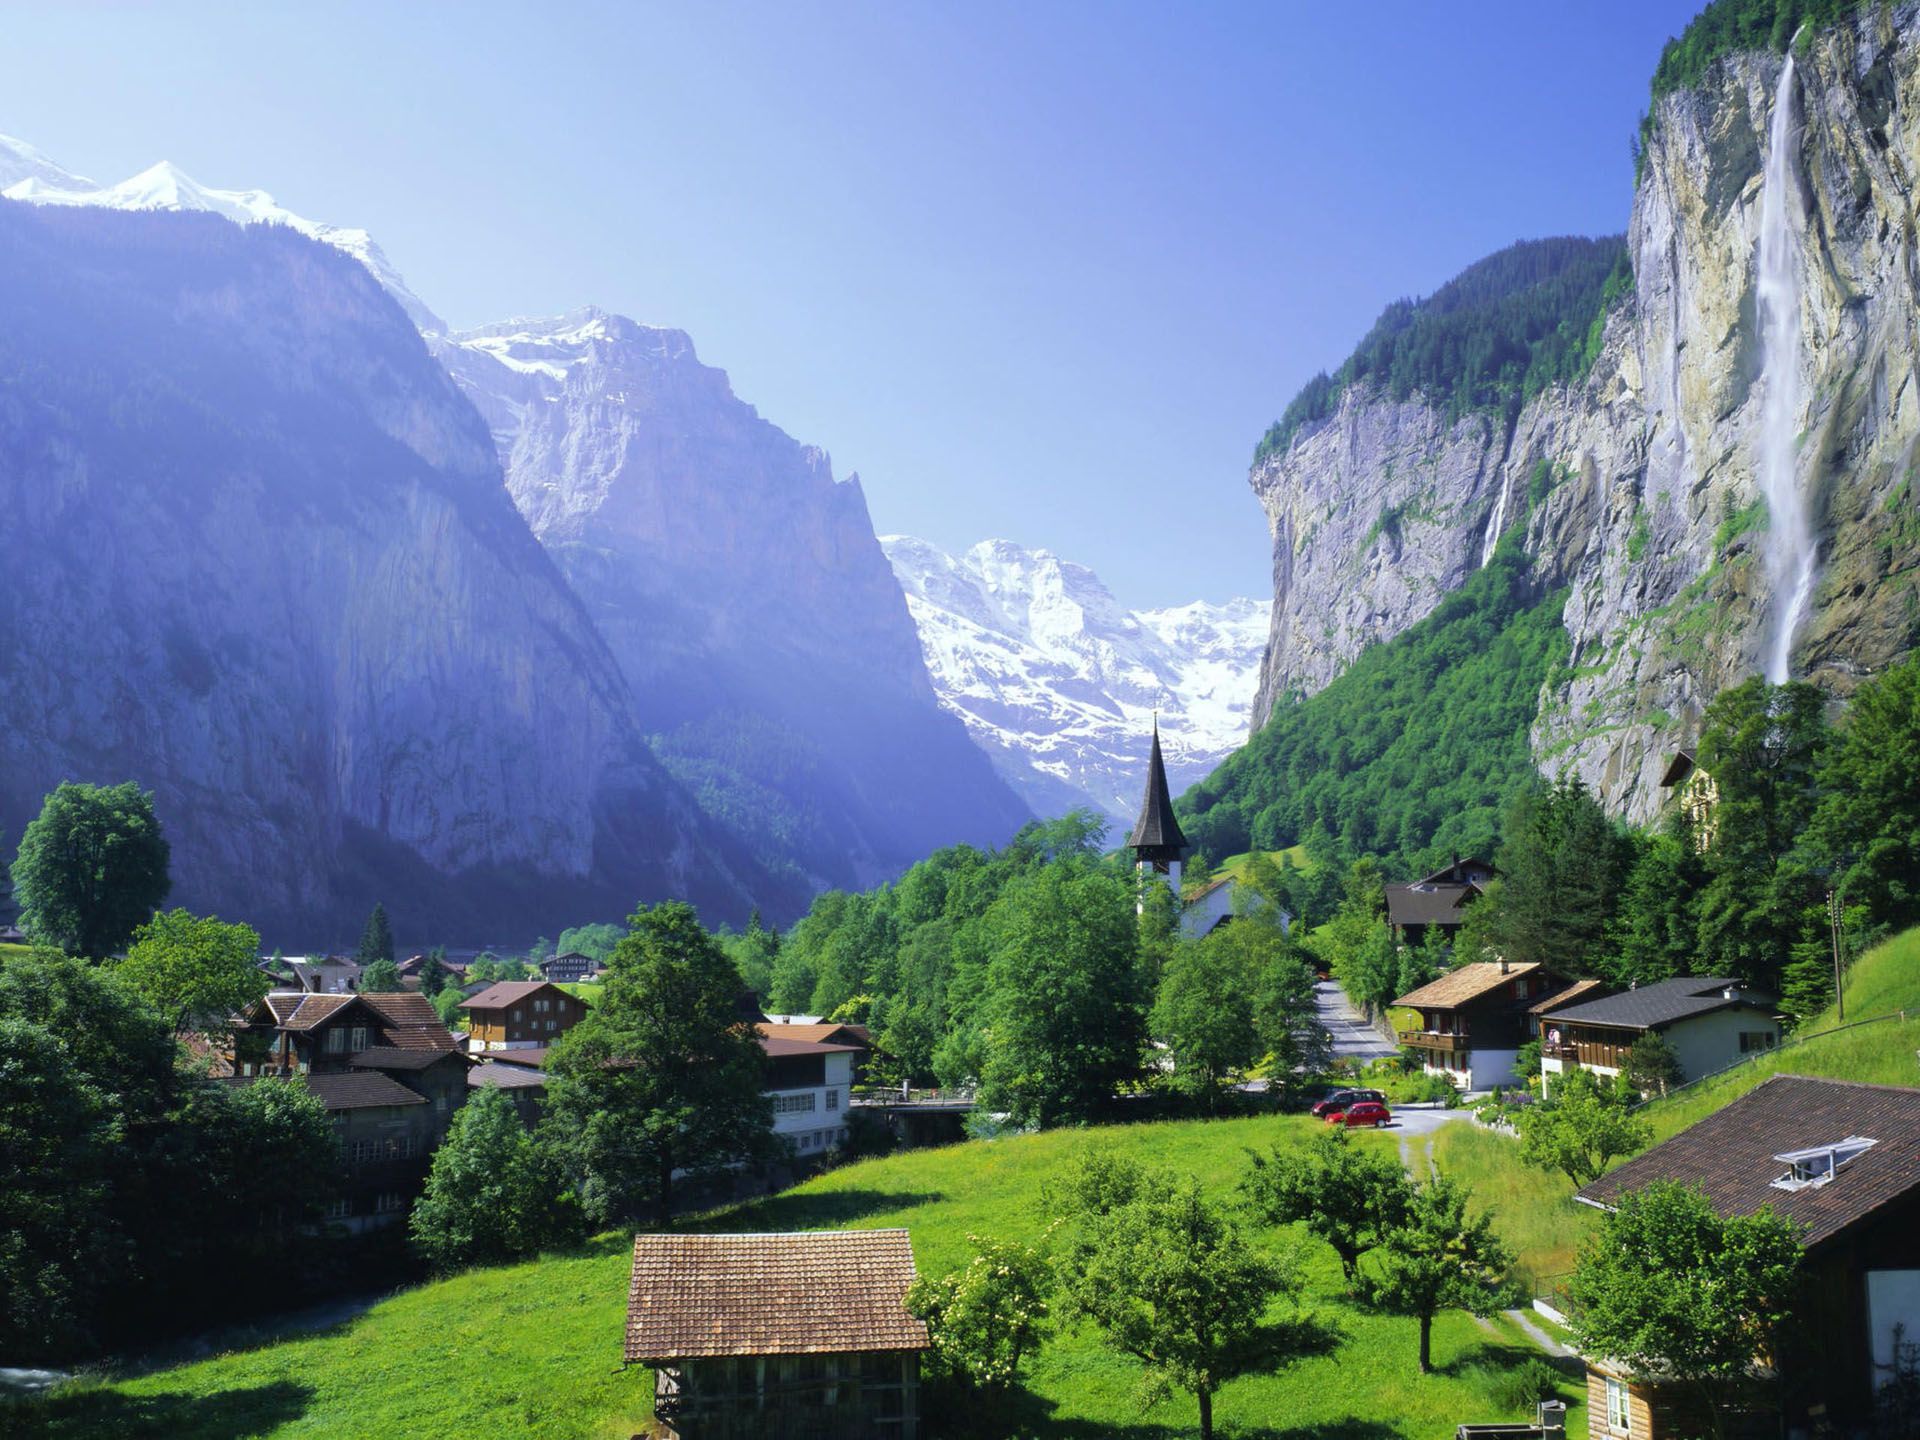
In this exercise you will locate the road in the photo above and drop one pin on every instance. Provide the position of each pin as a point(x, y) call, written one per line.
point(1353, 1038)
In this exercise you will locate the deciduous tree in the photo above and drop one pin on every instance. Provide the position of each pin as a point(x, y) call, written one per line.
point(1350, 1195)
point(197, 971)
point(1173, 1283)
point(985, 1319)
point(1438, 1257)
point(380, 978)
point(92, 866)
point(662, 1077)
point(1579, 1127)
point(1671, 1288)
point(493, 1193)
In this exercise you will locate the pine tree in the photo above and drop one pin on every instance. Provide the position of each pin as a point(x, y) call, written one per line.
point(376, 941)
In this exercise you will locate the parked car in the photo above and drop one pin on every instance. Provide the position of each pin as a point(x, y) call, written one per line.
point(1339, 1100)
point(1363, 1112)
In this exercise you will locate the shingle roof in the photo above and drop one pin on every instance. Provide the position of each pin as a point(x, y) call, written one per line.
point(302, 1011)
point(775, 1046)
point(822, 1292)
point(506, 1077)
point(1424, 904)
point(393, 1057)
point(527, 1057)
point(409, 1021)
point(1578, 990)
point(502, 993)
point(1678, 769)
point(1730, 1154)
point(1664, 1002)
point(361, 1090)
point(1469, 982)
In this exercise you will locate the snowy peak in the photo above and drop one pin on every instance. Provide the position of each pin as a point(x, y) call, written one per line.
point(1058, 681)
point(554, 347)
point(26, 174)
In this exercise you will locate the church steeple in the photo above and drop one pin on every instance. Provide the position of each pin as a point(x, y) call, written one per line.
point(1157, 842)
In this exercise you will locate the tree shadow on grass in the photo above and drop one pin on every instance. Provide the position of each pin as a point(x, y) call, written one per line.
point(87, 1413)
point(1028, 1415)
point(816, 1210)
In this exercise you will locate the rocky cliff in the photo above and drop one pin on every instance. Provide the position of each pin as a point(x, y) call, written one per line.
point(1641, 487)
point(1059, 683)
point(741, 588)
point(261, 559)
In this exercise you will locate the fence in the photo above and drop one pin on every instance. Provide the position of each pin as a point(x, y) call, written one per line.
point(1791, 1042)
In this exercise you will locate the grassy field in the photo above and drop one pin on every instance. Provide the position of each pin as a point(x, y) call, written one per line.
point(534, 1350)
point(1235, 865)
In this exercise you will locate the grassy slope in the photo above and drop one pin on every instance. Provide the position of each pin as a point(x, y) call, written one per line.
point(1538, 1216)
point(533, 1350)
point(1235, 865)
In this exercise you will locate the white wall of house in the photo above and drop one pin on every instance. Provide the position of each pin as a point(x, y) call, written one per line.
point(1480, 1069)
point(814, 1119)
point(1708, 1043)
point(1200, 916)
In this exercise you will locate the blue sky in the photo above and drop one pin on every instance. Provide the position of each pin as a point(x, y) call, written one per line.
point(1040, 270)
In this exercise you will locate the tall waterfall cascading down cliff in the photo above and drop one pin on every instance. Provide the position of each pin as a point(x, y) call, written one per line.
point(1790, 543)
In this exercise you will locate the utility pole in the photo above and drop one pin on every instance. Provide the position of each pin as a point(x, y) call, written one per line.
point(1834, 925)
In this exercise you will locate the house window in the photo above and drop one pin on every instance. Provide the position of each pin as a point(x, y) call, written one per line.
point(516, 1015)
point(1752, 1041)
point(540, 1007)
point(553, 1025)
point(833, 1099)
point(1815, 1166)
point(1619, 1409)
point(794, 1104)
point(359, 1038)
point(339, 1209)
point(389, 1203)
point(336, 1041)
point(440, 1102)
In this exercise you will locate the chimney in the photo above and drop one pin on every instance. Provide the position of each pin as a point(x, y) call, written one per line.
point(1456, 867)
point(1503, 964)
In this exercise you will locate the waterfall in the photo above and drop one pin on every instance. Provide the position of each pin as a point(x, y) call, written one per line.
point(1499, 523)
point(1790, 545)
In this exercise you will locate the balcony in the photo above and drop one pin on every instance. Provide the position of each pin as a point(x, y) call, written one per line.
point(1439, 1042)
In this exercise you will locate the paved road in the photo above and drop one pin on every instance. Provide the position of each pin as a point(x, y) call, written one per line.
point(1353, 1038)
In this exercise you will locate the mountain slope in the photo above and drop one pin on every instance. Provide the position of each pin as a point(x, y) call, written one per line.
point(740, 586)
point(264, 564)
point(1058, 683)
point(1725, 486)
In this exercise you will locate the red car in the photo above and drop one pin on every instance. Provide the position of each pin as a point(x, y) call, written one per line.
point(1336, 1103)
point(1363, 1112)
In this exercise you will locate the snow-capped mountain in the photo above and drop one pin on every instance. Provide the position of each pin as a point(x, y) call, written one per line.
point(1058, 682)
point(26, 174)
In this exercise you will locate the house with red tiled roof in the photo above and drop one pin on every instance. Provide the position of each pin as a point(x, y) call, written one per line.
point(1841, 1162)
point(795, 1335)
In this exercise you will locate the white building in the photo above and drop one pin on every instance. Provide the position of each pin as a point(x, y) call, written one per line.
point(810, 1074)
point(1709, 1020)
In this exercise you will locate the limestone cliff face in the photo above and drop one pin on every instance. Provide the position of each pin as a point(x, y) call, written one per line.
point(1638, 488)
point(740, 587)
point(261, 559)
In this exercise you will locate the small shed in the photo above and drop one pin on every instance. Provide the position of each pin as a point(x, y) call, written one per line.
point(803, 1336)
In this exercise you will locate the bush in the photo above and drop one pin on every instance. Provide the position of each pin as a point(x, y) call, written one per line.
point(1518, 1387)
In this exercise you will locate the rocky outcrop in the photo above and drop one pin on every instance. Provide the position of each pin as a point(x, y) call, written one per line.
point(260, 559)
point(1636, 489)
point(741, 588)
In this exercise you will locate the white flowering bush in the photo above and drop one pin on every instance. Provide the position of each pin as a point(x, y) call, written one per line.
point(985, 1319)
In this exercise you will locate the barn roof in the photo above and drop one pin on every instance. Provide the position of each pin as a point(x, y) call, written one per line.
point(820, 1292)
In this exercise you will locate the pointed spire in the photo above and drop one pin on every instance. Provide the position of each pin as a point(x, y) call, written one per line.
point(1156, 834)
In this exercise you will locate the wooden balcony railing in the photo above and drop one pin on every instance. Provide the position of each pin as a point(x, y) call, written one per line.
point(1437, 1041)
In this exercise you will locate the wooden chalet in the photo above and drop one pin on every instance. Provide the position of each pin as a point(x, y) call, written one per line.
point(1475, 1018)
point(802, 1336)
point(388, 1072)
point(571, 968)
point(1841, 1160)
point(516, 1014)
point(1711, 1021)
point(1437, 901)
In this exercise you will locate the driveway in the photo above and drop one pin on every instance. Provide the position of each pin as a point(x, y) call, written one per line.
point(1353, 1038)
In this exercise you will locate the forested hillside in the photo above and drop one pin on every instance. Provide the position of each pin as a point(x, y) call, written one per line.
point(1411, 754)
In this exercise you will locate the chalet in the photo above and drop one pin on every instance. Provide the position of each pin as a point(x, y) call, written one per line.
point(1437, 901)
point(517, 1014)
point(1710, 1021)
point(387, 1135)
point(525, 1085)
point(399, 1036)
point(571, 968)
point(810, 1074)
point(1693, 792)
point(1842, 1161)
point(1474, 1019)
point(803, 1336)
